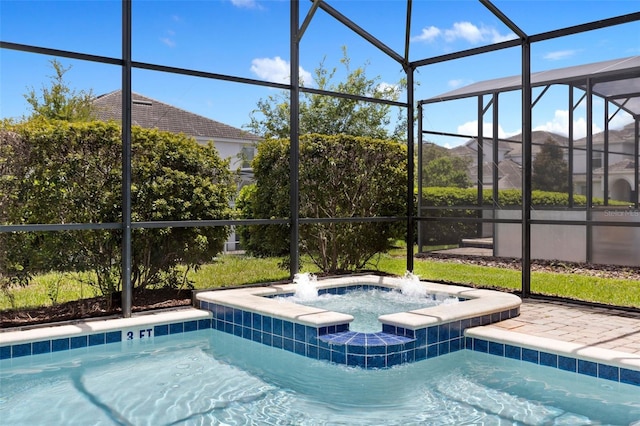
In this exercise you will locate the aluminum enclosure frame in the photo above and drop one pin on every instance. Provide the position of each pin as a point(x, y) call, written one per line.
point(297, 31)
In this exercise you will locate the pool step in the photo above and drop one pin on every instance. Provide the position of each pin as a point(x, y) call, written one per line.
point(507, 406)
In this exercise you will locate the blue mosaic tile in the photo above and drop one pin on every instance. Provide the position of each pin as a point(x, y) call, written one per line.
point(299, 332)
point(495, 317)
point(386, 328)
point(256, 336)
point(443, 332)
point(267, 338)
point(190, 326)
point(246, 319)
point(476, 321)
point(113, 336)
point(238, 330)
point(421, 337)
point(96, 339)
point(496, 348)
point(203, 324)
point(176, 328)
point(267, 324)
point(277, 326)
point(456, 344)
point(432, 351)
point(608, 372)
point(338, 357)
point(43, 347)
point(287, 344)
point(161, 330)
point(79, 342)
point(228, 327)
point(21, 349)
point(287, 329)
point(324, 354)
point(443, 348)
point(394, 358)
point(530, 355)
point(312, 351)
point(432, 335)
point(376, 361)
point(5, 352)
point(567, 364)
point(300, 348)
point(246, 333)
point(587, 367)
point(237, 316)
point(277, 341)
point(513, 352)
point(256, 321)
point(480, 345)
point(549, 360)
point(58, 345)
point(455, 329)
point(630, 377)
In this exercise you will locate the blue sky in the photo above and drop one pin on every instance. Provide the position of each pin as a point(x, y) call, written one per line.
point(249, 38)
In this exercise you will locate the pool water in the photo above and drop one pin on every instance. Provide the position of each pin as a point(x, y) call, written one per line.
point(367, 305)
point(209, 377)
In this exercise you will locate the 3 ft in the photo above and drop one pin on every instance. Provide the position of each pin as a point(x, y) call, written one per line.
point(143, 333)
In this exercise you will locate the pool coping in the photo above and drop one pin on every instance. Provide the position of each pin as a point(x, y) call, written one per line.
point(477, 302)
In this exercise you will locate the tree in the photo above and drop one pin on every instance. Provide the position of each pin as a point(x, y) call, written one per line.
point(340, 176)
point(441, 169)
point(59, 101)
point(550, 170)
point(329, 115)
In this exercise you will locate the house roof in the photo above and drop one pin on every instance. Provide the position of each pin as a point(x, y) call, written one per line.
point(625, 165)
point(617, 80)
point(153, 114)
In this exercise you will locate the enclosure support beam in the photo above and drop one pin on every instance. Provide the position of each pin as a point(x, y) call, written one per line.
point(589, 98)
point(636, 166)
point(294, 153)
point(126, 159)
point(420, 176)
point(526, 168)
point(410, 168)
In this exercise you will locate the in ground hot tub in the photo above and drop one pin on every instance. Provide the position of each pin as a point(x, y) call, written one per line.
point(259, 314)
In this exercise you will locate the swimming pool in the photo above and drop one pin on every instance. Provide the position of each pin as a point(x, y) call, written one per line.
point(212, 377)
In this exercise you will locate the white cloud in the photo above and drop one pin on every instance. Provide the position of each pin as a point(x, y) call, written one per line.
point(246, 4)
point(455, 83)
point(277, 70)
point(560, 125)
point(428, 34)
point(471, 128)
point(167, 41)
point(559, 54)
point(463, 31)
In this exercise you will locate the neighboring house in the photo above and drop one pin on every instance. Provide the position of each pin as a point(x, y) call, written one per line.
point(621, 165)
point(620, 168)
point(231, 142)
point(509, 158)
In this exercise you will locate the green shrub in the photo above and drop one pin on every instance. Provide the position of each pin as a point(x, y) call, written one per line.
point(340, 177)
point(71, 173)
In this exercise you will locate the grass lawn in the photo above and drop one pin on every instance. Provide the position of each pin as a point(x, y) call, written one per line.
point(230, 270)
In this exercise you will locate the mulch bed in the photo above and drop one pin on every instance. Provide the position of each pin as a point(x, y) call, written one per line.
point(94, 307)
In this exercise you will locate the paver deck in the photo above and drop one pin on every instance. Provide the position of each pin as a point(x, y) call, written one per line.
point(602, 327)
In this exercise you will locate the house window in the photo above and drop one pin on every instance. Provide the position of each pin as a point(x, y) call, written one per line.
point(248, 152)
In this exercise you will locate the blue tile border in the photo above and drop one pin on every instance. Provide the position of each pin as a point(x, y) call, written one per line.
point(60, 344)
point(392, 346)
point(338, 345)
point(561, 362)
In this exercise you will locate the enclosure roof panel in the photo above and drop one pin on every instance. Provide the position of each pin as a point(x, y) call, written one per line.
point(617, 80)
